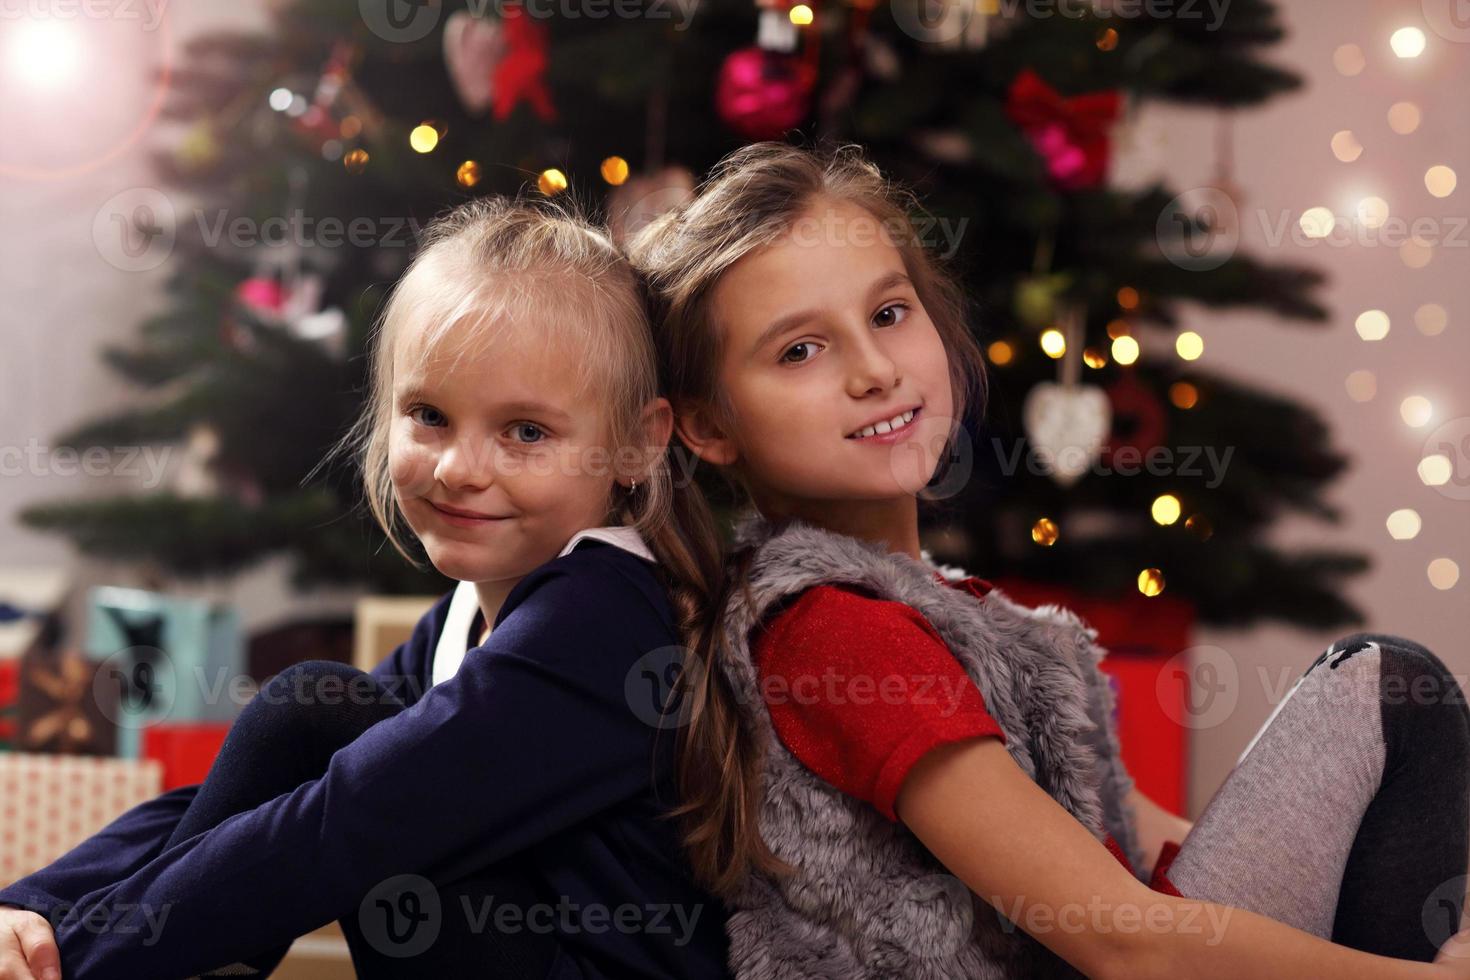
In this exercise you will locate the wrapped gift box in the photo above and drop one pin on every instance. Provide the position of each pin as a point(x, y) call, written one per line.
point(185, 749)
point(171, 659)
point(51, 803)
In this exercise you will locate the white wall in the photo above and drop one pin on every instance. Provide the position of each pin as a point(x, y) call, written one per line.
point(1284, 164)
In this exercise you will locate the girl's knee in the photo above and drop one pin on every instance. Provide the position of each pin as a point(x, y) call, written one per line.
point(317, 696)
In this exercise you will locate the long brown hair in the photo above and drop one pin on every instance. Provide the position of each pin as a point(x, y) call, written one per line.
point(750, 198)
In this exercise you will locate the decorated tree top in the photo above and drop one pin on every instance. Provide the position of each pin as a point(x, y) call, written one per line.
point(317, 149)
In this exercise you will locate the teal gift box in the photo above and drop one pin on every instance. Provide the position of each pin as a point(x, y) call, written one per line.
point(168, 658)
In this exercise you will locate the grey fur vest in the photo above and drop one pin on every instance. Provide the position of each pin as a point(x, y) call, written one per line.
point(869, 901)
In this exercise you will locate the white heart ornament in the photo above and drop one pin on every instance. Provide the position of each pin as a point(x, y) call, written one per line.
point(1068, 426)
point(473, 46)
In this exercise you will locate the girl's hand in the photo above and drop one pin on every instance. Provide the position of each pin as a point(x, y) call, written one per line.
point(27, 947)
point(1454, 955)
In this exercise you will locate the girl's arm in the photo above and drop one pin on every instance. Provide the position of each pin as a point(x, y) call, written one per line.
point(1155, 826)
point(531, 736)
point(114, 852)
point(1023, 853)
point(137, 836)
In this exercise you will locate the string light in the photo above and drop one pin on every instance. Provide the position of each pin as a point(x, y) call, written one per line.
point(1407, 42)
point(801, 15)
point(1317, 222)
point(615, 171)
point(1362, 386)
point(1150, 581)
point(351, 126)
point(1372, 212)
point(1189, 345)
point(1128, 298)
point(1165, 509)
point(468, 174)
point(280, 99)
point(1044, 532)
point(1416, 411)
point(1443, 573)
point(423, 138)
point(355, 161)
point(1440, 180)
point(1053, 343)
point(1436, 470)
point(551, 181)
point(1094, 358)
point(1431, 319)
point(1125, 350)
point(1345, 146)
point(1403, 118)
point(1183, 395)
point(1000, 352)
point(1404, 524)
point(1372, 324)
point(1348, 59)
point(1107, 40)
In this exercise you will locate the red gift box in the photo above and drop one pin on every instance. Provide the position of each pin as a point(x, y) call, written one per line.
point(1140, 633)
point(186, 749)
point(9, 694)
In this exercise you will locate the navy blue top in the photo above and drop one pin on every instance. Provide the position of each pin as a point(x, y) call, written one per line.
point(536, 748)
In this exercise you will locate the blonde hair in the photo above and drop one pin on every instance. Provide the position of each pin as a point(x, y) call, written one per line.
point(754, 195)
point(495, 265)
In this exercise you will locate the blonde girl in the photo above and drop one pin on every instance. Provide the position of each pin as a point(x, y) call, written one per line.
point(488, 801)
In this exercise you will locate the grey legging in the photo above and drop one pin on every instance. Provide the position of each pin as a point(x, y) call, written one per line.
point(1349, 814)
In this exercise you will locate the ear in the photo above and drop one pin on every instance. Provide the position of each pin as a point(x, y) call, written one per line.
point(704, 437)
point(658, 425)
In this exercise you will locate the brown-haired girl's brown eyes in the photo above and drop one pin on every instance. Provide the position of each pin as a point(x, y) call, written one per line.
point(804, 343)
point(893, 306)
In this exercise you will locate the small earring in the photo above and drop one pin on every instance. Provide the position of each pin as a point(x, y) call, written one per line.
point(631, 487)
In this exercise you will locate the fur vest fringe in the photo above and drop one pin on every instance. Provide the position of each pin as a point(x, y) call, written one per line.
point(869, 901)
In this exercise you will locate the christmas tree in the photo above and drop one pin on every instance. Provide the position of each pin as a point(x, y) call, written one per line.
point(337, 133)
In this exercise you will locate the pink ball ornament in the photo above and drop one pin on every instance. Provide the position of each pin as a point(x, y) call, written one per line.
point(761, 94)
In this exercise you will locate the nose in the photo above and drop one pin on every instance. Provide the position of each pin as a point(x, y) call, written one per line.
point(465, 464)
point(870, 369)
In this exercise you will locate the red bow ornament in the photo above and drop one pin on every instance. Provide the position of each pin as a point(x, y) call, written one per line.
point(1071, 134)
point(521, 74)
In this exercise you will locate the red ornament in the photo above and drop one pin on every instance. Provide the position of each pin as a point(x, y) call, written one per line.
point(761, 94)
point(261, 295)
point(521, 74)
point(1070, 134)
point(1138, 409)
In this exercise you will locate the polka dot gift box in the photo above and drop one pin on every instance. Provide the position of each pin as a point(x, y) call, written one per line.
point(51, 803)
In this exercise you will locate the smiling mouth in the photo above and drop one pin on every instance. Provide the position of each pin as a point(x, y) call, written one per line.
point(900, 421)
point(463, 516)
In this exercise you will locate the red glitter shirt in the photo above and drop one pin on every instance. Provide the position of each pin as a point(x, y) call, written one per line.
point(860, 688)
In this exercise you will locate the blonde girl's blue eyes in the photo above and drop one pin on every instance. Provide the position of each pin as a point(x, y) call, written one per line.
point(425, 408)
point(878, 316)
point(533, 433)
